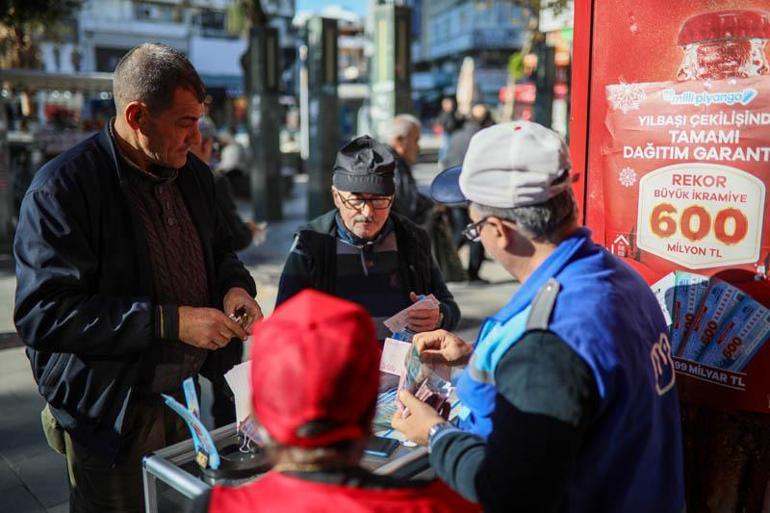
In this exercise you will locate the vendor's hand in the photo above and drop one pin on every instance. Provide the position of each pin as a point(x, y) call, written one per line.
point(207, 328)
point(416, 420)
point(422, 319)
point(440, 346)
point(237, 298)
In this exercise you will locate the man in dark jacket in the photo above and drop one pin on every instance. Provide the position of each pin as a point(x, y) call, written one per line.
point(242, 230)
point(458, 146)
point(126, 279)
point(363, 252)
point(404, 139)
point(449, 120)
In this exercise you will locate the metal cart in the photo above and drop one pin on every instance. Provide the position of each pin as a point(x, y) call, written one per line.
point(172, 478)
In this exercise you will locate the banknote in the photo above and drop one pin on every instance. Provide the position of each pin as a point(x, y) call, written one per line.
point(399, 321)
point(428, 382)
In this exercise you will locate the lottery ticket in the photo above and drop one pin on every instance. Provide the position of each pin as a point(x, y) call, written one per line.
point(690, 288)
point(732, 334)
point(664, 290)
point(239, 381)
point(741, 355)
point(399, 321)
point(386, 408)
point(207, 454)
point(717, 306)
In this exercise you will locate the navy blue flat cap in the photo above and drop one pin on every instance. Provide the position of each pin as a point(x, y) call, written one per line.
point(445, 188)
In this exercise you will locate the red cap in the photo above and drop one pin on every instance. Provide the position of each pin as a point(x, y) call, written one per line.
point(316, 358)
point(738, 23)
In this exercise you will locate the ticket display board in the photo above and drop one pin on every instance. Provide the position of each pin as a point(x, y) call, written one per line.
point(671, 133)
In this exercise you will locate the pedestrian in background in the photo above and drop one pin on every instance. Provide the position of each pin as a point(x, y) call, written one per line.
point(450, 121)
point(125, 280)
point(403, 136)
point(242, 231)
point(458, 146)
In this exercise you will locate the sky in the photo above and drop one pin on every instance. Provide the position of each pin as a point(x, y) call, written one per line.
point(357, 6)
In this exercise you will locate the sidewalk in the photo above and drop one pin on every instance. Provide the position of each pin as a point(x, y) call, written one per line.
point(33, 477)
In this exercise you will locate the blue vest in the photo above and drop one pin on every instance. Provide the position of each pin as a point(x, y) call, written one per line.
point(631, 459)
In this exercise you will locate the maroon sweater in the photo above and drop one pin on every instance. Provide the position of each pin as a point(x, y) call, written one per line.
point(178, 269)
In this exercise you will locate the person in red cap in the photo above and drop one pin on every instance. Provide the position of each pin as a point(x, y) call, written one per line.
point(314, 378)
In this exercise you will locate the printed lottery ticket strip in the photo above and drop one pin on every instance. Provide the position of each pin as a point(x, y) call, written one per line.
point(712, 323)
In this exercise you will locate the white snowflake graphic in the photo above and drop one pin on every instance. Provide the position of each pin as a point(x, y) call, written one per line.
point(627, 177)
point(625, 97)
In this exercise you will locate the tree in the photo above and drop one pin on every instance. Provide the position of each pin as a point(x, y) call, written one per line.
point(21, 21)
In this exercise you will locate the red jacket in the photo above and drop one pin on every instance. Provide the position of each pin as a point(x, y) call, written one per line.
point(276, 492)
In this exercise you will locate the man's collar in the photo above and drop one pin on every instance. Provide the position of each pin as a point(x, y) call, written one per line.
point(157, 173)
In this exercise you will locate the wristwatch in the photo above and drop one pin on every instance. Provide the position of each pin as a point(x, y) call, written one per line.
point(436, 429)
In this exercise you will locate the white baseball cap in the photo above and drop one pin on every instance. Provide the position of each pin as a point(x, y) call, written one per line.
point(507, 165)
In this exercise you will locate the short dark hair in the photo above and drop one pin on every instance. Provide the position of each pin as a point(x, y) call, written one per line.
point(151, 73)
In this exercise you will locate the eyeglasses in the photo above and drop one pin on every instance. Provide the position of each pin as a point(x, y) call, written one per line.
point(377, 203)
point(472, 232)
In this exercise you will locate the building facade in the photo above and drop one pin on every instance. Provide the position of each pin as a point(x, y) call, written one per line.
point(202, 29)
point(445, 32)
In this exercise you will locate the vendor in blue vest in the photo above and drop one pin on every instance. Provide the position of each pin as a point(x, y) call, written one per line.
point(363, 252)
point(569, 403)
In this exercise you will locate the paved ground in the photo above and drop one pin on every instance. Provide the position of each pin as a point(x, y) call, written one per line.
point(33, 478)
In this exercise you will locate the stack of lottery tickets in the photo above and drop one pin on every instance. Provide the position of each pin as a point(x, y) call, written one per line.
point(712, 322)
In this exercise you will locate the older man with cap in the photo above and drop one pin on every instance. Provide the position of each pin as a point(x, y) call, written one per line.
point(568, 394)
point(363, 252)
point(314, 392)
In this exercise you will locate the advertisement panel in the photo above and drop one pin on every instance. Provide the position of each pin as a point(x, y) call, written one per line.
point(677, 163)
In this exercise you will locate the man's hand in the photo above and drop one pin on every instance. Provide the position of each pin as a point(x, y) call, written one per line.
point(416, 420)
point(440, 346)
point(422, 319)
point(207, 327)
point(238, 299)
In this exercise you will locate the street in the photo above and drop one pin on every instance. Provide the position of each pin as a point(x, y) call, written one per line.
point(33, 477)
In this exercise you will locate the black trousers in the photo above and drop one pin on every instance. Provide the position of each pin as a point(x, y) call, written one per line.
point(98, 486)
point(460, 220)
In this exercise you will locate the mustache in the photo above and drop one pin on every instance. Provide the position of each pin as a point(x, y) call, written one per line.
point(363, 219)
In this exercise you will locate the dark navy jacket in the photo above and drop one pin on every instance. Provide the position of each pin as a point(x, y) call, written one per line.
point(84, 285)
point(312, 263)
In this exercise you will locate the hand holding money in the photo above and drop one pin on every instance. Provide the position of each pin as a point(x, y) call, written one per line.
point(241, 308)
point(416, 419)
point(424, 316)
point(441, 346)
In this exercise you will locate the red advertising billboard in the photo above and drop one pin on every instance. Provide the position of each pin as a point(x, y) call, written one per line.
point(670, 130)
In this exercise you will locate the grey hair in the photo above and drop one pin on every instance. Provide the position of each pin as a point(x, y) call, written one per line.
point(400, 126)
point(543, 221)
point(151, 73)
point(206, 128)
